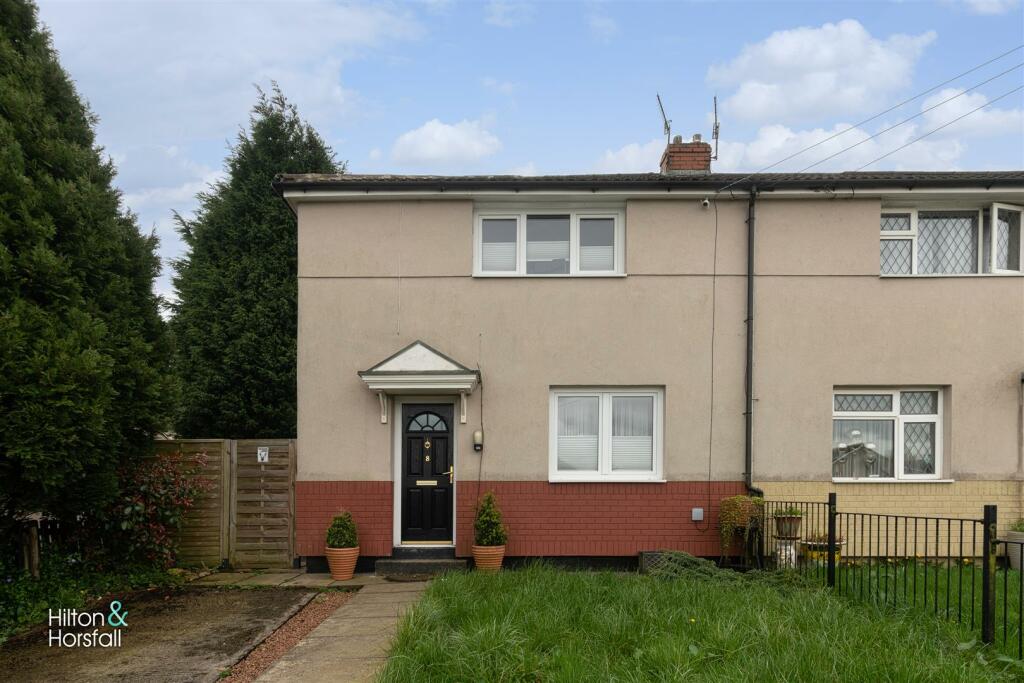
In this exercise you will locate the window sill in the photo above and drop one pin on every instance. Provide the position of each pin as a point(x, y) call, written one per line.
point(913, 276)
point(567, 276)
point(876, 480)
point(606, 480)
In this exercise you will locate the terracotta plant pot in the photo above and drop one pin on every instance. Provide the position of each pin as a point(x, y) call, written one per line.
point(342, 562)
point(487, 558)
point(787, 526)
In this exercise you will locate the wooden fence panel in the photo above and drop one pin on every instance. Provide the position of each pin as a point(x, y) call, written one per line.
point(247, 518)
point(203, 537)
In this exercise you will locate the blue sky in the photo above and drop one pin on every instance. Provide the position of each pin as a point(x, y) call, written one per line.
point(534, 88)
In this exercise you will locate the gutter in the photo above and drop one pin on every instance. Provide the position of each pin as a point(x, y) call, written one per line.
point(748, 413)
point(1010, 181)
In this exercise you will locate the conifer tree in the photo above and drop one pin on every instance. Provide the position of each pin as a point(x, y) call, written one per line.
point(84, 354)
point(235, 319)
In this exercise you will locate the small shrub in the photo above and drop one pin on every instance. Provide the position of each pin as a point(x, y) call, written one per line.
point(1018, 525)
point(675, 564)
point(788, 512)
point(142, 524)
point(488, 526)
point(342, 532)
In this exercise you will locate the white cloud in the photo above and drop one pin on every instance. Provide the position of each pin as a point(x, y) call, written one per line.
point(508, 14)
point(497, 86)
point(439, 143)
point(632, 158)
point(172, 82)
point(812, 73)
point(602, 27)
point(375, 154)
point(775, 142)
point(991, 6)
point(987, 122)
point(529, 168)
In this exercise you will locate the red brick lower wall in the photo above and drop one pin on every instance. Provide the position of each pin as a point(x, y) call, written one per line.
point(370, 503)
point(598, 520)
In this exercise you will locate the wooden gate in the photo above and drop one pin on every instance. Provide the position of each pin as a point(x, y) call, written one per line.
point(263, 513)
point(247, 517)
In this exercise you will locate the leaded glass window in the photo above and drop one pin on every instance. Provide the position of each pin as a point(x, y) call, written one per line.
point(947, 242)
point(897, 257)
point(886, 434)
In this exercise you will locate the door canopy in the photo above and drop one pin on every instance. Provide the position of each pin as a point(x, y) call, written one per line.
point(419, 369)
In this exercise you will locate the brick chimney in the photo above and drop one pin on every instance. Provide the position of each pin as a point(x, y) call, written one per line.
point(686, 158)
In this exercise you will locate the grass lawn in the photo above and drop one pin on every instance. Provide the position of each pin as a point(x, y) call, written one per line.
point(946, 590)
point(541, 624)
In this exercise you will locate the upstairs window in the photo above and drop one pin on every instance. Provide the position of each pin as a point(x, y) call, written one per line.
point(549, 244)
point(886, 434)
point(950, 242)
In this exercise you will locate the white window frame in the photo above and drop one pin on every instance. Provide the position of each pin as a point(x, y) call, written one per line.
point(604, 471)
point(575, 215)
point(899, 421)
point(992, 215)
point(913, 234)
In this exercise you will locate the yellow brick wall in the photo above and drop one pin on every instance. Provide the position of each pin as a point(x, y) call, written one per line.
point(957, 500)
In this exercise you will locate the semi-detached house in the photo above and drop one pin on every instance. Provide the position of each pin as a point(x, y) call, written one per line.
point(613, 354)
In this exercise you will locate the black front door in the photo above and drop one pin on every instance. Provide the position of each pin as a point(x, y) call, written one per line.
point(427, 472)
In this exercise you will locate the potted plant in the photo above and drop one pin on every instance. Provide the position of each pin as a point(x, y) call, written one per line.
point(787, 522)
point(815, 548)
point(342, 547)
point(1015, 536)
point(490, 535)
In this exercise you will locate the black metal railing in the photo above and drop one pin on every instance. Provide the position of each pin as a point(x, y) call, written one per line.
point(943, 565)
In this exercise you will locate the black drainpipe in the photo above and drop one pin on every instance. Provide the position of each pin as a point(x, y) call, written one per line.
point(748, 413)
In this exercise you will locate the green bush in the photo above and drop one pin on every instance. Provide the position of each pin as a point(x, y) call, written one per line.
point(66, 581)
point(342, 532)
point(142, 524)
point(789, 512)
point(488, 526)
point(1018, 525)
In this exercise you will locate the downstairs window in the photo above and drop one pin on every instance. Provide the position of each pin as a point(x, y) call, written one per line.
point(886, 434)
point(606, 435)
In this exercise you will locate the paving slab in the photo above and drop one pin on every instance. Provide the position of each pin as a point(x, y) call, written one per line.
point(310, 581)
point(351, 671)
point(360, 580)
point(362, 610)
point(397, 587)
point(269, 578)
point(221, 579)
point(356, 627)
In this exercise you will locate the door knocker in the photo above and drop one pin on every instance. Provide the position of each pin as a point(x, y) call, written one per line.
point(426, 447)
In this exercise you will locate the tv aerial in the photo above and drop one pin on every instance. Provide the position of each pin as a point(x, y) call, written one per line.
point(714, 129)
point(667, 123)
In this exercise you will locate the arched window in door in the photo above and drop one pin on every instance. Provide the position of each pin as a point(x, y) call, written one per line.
point(427, 422)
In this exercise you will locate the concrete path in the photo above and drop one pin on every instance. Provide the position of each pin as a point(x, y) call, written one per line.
point(285, 579)
point(352, 644)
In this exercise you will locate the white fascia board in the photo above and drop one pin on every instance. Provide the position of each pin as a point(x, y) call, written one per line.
point(295, 197)
point(433, 383)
